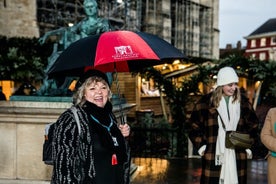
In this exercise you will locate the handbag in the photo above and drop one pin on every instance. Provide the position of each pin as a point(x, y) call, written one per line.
point(235, 139)
point(238, 140)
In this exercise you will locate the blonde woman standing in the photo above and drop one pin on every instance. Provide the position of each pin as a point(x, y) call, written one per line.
point(221, 165)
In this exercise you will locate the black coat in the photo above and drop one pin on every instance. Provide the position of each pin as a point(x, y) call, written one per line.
point(75, 153)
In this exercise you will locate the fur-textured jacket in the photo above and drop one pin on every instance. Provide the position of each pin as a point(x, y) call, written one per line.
point(74, 152)
point(204, 131)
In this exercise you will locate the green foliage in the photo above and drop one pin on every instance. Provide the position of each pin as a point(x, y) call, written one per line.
point(254, 70)
point(240, 63)
point(266, 72)
point(22, 59)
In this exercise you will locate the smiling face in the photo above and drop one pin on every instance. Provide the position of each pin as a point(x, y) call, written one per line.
point(97, 93)
point(229, 89)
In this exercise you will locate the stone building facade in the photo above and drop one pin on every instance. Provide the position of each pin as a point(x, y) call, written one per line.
point(18, 18)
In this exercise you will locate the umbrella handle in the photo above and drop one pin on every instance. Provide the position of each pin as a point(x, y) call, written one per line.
point(122, 119)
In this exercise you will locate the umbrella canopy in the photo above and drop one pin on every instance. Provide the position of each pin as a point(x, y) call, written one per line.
point(121, 51)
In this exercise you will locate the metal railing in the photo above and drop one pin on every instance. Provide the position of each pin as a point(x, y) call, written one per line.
point(155, 142)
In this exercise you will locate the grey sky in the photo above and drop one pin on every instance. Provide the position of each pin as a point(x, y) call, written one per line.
point(239, 18)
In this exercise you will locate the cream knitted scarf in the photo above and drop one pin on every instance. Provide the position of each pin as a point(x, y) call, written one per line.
point(224, 156)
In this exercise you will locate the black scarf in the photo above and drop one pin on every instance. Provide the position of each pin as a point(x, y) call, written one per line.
point(104, 116)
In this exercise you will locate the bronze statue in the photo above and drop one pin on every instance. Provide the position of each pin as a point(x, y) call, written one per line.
point(90, 25)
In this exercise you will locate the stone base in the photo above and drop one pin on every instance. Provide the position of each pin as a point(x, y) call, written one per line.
point(41, 98)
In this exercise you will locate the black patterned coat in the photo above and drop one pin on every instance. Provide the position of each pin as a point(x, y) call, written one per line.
point(204, 131)
point(74, 152)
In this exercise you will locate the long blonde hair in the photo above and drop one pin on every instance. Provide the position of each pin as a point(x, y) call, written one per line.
point(218, 94)
point(79, 98)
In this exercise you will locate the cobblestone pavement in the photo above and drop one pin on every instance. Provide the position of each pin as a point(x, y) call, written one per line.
point(185, 171)
point(172, 171)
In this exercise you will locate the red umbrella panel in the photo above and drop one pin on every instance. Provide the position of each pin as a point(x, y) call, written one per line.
point(121, 51)
point(129, 51)
point(125, 51)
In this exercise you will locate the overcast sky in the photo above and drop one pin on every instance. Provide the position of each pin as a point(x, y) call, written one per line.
point(239, 18)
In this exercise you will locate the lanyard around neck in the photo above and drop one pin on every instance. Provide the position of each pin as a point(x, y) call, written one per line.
point(107, 127)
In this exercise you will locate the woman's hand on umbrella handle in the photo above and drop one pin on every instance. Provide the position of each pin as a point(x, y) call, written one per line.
point(125, 129)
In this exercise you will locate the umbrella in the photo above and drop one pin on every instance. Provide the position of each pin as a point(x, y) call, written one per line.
point(121, 51)
point(114, 51)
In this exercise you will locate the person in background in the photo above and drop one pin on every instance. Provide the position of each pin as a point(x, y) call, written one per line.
point(220, 164)
point(99, 154)
point(268, 138)
point(2, 95)
point(25, 89)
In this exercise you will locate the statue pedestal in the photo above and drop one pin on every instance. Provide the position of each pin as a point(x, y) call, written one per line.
point(41, 98)
point(22, 135)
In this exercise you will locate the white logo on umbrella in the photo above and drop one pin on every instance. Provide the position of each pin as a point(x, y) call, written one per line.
point(124, 52)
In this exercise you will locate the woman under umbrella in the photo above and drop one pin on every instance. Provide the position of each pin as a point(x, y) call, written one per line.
point(99, 154)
